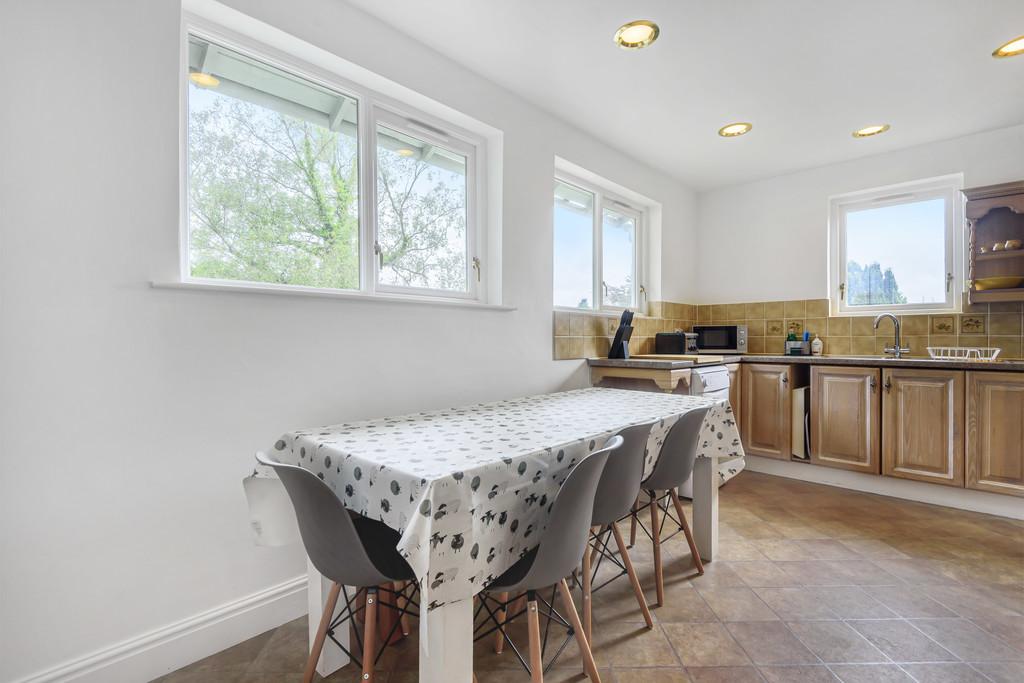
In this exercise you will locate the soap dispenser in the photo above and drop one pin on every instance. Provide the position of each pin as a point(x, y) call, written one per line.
point(817, 346)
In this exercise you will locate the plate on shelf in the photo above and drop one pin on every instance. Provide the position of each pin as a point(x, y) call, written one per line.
point(1003, 282)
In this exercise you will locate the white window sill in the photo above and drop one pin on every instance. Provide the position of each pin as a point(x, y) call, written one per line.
point(257, 288)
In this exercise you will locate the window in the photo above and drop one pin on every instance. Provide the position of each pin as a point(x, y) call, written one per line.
point(597, 262)
point(299, 180)
point(895, 248)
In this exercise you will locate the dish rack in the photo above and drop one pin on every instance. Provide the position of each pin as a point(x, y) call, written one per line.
point(980, 354)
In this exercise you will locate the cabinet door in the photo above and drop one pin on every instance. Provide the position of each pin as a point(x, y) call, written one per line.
point(845, 414)
point(922, 425)
point(766, 411)
point(735, 385)
point(995, 432)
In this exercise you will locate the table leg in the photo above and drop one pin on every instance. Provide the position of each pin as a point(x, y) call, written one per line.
point(317, 590)
point(446, 644)
point(705, 506)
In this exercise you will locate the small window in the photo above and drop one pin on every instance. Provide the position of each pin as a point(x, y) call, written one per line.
point(895, 248)
point(597, 259)
point(298, 179)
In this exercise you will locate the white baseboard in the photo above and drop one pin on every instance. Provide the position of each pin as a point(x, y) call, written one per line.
point(171, 647)
point(962, 499)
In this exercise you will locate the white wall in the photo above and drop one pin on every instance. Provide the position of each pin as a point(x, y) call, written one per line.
point(768, 240)
point(130, 414)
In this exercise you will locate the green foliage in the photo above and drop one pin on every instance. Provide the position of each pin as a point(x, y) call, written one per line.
point(869, 285)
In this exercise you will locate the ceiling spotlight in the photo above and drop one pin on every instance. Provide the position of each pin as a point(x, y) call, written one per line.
point(733, 130)
point(1010, 49)
point(637, 34)
point(868, 131)
point(204, 80)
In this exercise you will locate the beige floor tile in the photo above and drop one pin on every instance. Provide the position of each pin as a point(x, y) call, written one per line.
point(725, 674)
point(874, 548)
point(870, 673)
point(647, 675)
point(684, 605)
point(797, 674)
point(908, 602)
point(700, 645)
point(828, 549)
point(944, 673)
point(762, 573)
point(1008, 628)
point(795, 604)
point(785, 549)
point(836, 641)
point(967, 641)
point(734, 603)
point(1001, 672)
point(901, 642)
point(770, 643)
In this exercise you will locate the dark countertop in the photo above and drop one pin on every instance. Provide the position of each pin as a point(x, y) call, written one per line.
point(858, 361)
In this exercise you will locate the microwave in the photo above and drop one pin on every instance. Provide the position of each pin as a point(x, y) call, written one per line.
point(721, 338)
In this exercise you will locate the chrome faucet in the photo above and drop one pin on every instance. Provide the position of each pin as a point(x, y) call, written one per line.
point(896, 351)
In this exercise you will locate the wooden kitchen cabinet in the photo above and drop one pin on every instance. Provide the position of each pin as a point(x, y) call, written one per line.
point(766, 409)
point(735, 388)
point(922, 425)
point(845, 415)
point(995, 432)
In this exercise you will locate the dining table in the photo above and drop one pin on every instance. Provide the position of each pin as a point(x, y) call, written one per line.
point(469, 490)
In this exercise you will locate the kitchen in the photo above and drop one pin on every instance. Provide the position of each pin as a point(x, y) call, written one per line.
point(744, 284)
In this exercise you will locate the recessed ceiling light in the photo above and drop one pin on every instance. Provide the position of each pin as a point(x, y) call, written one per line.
point(1014, 47)
point(735, 129)
point(868, 131)
point(637, 34)
point(405, 152)
point(204, 80)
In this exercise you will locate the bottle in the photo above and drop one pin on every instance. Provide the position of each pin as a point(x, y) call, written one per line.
point(817, 346)
point(792, 334)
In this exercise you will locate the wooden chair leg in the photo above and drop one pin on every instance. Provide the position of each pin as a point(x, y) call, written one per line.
point(589, 667)
point(402, 602)
point(637, 589)
point(588, 612)
point(370, 635)
point(659, 572)
point(686, 531)
point(321, 633)
point(632, 522)
point(533, 626)
point(499, 638)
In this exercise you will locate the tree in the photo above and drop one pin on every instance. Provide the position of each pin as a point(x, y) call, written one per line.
point(869, 285)
point(274, 198)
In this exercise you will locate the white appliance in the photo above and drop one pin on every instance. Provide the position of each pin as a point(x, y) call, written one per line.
point(713, 382)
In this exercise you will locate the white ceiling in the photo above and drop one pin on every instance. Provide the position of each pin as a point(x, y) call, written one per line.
point(805, 72)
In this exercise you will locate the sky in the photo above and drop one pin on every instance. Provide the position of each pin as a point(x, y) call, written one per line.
point(910, 239)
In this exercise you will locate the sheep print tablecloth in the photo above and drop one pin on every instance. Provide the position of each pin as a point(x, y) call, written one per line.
point(470, 488)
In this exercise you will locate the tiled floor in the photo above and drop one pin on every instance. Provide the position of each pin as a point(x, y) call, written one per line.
point(813, 584)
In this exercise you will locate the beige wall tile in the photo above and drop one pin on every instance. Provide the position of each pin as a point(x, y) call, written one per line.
point(817, 308)
point(755, 328)
point(775, 309)
point(968, 307)
point(655, 308)
point(775, 345)
point(704, 313)
point(736, 311)
point(1004, 324)
point(918, 345)
point(942, 340)
point(754, 311)
point(562, 323)
point(755, 345)
point(942, 324)
point(577, 324)
point(603, 344)
point(880, 344)
point(885, 328)
point(589, 347)
point(915, 325)
point(797, 324)
point(972, 323)
point(775, 328)
point(719, 313)
point(1011, 346)
point(862, 346)
point(977, 340)
point(795, 309)
point(567, 348)
point(838, 327)
point(838, 346)
point(862, 326)
point(1005, 307)
point(816, 326)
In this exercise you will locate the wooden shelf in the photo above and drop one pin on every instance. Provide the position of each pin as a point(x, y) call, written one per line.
point(990, 295)
point(999, 255)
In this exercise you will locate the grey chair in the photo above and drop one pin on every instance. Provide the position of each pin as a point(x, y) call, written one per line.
point(673, 468)
point(616, 493)
point(350, 551)
point(558, 556)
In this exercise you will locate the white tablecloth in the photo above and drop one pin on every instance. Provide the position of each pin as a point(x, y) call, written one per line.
point(470, 488)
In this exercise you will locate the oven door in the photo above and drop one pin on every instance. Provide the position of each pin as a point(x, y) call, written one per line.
point(716, 338)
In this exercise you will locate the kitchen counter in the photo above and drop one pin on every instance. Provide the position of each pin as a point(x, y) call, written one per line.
point(859, 361)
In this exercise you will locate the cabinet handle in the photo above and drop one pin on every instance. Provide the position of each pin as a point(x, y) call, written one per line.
point(785, 379)
point(888, 385)
point(874, 384)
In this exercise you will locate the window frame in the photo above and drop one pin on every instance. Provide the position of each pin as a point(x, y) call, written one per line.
point(604, 198)
point(371, 106)
point(945, 187)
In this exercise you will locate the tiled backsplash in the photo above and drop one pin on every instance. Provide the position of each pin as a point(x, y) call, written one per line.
point(582, 335)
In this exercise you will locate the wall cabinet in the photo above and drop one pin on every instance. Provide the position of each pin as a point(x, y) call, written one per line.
point(845, 414)
point(922, 425)
point(995, 432)
point(766, 409)
point(735, 386)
